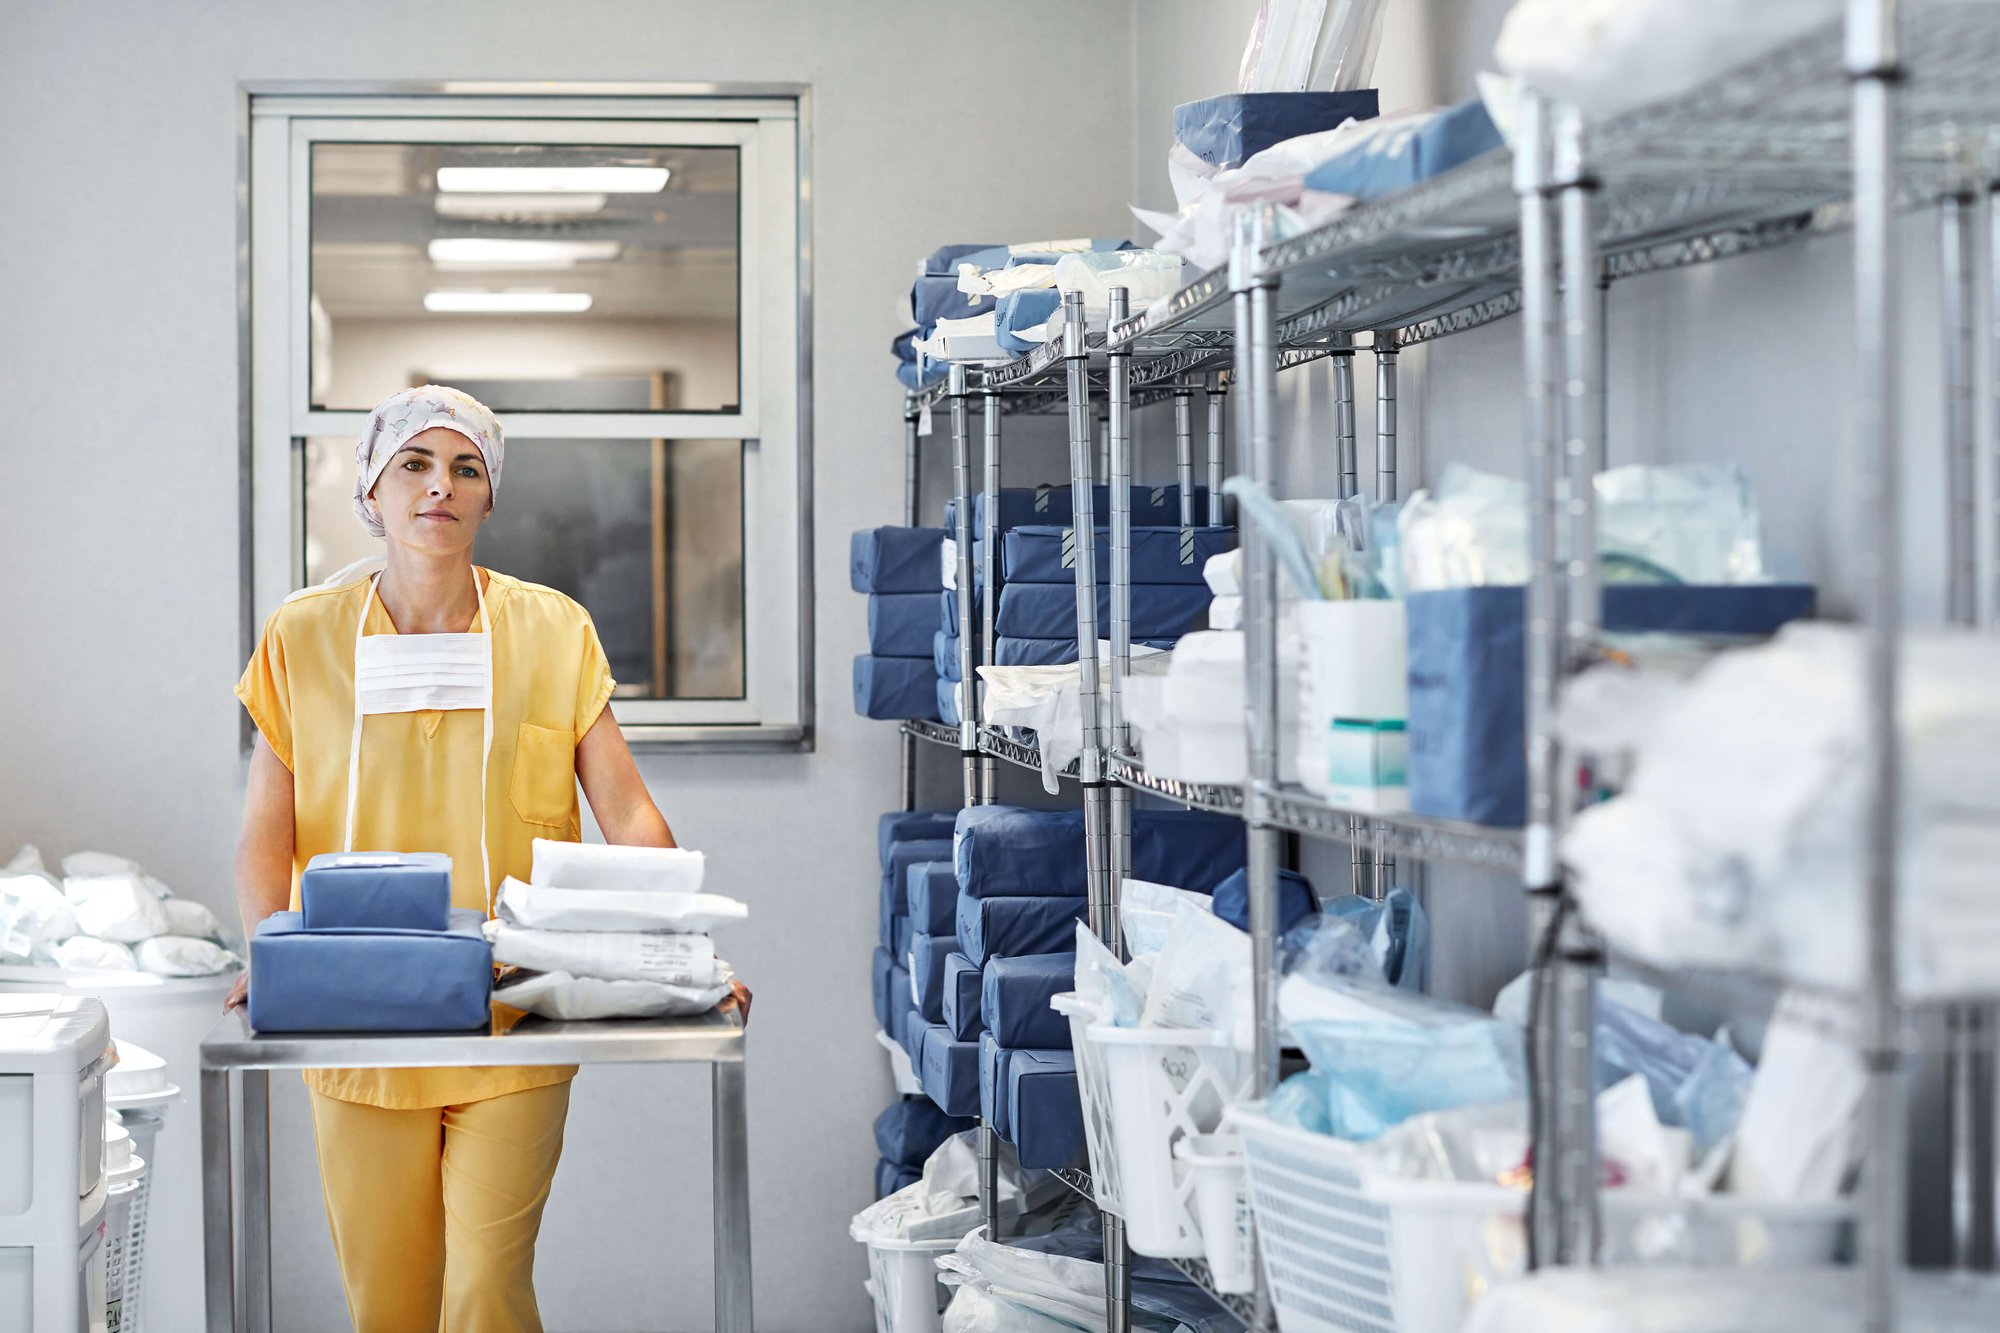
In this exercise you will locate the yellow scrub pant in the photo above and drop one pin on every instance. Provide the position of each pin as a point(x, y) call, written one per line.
point(435, 1211)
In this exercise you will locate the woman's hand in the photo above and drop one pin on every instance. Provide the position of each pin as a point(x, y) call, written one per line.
point(239, 994)
point(739, 1000)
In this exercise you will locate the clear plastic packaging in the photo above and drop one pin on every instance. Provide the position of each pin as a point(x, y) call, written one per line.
point(1311, 46)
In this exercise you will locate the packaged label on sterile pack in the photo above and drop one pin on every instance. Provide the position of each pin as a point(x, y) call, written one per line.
point(667, 959)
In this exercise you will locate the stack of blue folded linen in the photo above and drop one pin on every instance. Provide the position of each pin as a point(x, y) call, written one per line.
point(906, 1134)
point(900, 570)
point(903, 838)
point(376, 947)
point(936, 295)
point(1027, 1073)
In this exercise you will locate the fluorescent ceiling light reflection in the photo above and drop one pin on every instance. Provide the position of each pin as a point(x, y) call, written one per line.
point(489, 250)
point(518, 205)
point(551, 180)
point(507, 303)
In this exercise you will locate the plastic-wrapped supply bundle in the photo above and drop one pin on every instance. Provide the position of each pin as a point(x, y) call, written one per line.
point(1610, 56)
point(581, 865)
point(86, 953)
point(673, 960)
point(560, 995)
point(118, 907)
point(190, 919)
point(183, 956)
point(1742, 816)
point(538, 907)
point(35, 917)
point(1321, 45)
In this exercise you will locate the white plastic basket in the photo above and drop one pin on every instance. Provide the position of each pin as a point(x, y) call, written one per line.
point(1144, 1090)
point(903, 1281)
point(1349, 1251)
point(142, 1122)
point(1222, 1206)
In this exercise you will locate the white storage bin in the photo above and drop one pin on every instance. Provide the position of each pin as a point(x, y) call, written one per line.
point(1222, 1208)
point(1347, 1251)
point(903, 1281)
point(124, 1176)
point(1144, 1090)
point(54, 1051)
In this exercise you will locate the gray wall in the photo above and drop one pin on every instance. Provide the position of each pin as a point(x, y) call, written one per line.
point(118, 342)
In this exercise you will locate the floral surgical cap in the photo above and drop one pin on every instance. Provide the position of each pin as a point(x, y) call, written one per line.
point(412, 412)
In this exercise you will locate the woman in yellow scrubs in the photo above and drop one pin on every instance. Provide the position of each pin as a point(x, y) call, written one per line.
point(434, 1179)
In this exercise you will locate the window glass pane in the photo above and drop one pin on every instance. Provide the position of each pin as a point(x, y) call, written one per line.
point(647, 534)
point(551, 266)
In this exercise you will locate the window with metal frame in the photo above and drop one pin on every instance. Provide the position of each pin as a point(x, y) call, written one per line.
point(622, 279)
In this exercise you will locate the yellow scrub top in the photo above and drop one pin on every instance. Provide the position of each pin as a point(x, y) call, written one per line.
point(419, 788)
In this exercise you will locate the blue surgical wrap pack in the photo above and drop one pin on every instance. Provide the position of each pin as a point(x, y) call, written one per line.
point(961, 997)
point(1056, 652)
point(895, 688)
point(927, 959)
point(882, 972)
point(1048, 610)
point(1296, 900)
point(1152, 506)
point(1020, 311)
point(899, 942)
point(932, 896)
point(1044, 1111)
point(900, 624)
point(1389, 162)
point(909, 1131)
point(911, 826)
point(896, 560)
point(1467, 661)
point(949, 1071)
point(896, 869)
point(993, 1061)
point(1008, 851)
point(376, 890)
point(354, 980)
point(1397, 929)
point(1005, 926)
point(944, 656)
point(1047, 554)
point(907, 1025)
point(935, 296)
point(1014, 999)
point(1228, 131)
point(948, 710)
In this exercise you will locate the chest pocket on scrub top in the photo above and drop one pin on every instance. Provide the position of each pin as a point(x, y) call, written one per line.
point(543, 788)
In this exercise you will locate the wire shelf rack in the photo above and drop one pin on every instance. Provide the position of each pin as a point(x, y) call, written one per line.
point(1242, 1308)
point(1220, 798)
point(1405, 834)
point(937, 733)
point(1021, 754)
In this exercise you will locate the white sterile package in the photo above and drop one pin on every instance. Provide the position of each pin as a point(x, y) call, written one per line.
point(82, 864)
point(560, 995)
point(1146, 275)
point(183, 956)
point(1048, 700)
point(27, 861)
point(672, 960)
point(190, 918)
point(1737, 839)
point(34, 915)
point(115, 907)
point(1201, 979)
point(1147, 911)
point(1799, 1138)
point(593, 865)
point(540, 907)
point(1609, 56)
point(87, 954)
point(1201, 227)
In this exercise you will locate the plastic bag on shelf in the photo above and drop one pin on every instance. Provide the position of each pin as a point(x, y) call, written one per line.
point(1146, 913)
point(1115, 991)
point(1311, 46)
point(1397, 931)
point(1610, 56)
point(1201, 979)
point(1799, 1137)
point(189, 918)
point(1048, 700)
point(35, 917)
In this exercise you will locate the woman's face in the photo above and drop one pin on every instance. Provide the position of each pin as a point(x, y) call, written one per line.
point(434, 495)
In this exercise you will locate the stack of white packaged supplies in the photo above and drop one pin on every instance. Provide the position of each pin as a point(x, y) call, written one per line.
point(610, 932)
point(104, 913)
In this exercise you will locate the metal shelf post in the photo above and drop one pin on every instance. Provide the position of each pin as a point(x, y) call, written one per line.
point(990, 568)
point(1118, 436)
point(912, 482)
point(1872, 64)
point(1091, 767)
point(1382, 865)
point(1217, 391)
point(968, 695)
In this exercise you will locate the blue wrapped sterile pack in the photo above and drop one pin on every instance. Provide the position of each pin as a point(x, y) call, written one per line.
point(353, 980)
point(371, 890)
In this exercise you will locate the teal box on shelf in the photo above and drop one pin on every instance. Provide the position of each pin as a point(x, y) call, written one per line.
point(376, 890)
point(1468, 671)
